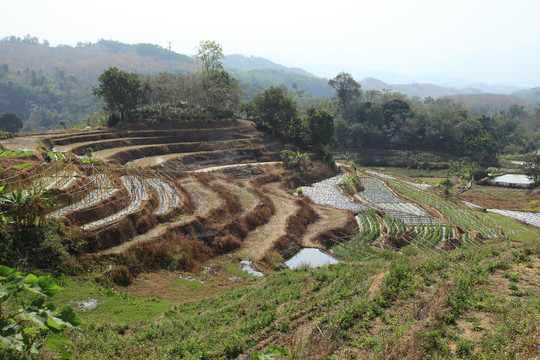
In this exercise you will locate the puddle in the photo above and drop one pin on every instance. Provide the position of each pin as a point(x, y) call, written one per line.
point(246, 266)
point(191, 278)
point(511, 179)
point(84, 305)
point(310, 257)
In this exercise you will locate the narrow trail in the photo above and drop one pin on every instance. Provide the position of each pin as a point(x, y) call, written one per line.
point(221, 167)
point(329, 218)
point(262, 239)
point(151, 235)
point(107, 153)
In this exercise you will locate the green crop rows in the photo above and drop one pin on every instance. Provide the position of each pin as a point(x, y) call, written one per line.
point(429, 235)
point(10, 153)
point(353, 250)
point(370, 229)
point(457, 214)
point(395, 225)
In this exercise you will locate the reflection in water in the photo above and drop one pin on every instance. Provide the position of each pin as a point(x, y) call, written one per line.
point(512, 179)
point(310, 258)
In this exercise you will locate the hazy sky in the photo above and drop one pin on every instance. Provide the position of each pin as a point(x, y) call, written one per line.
point(481, 40)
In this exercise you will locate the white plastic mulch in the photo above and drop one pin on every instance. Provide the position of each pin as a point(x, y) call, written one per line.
point(103, 191)
point(385, 200)
point(137, 194)
point(167, 196)
point(326, 193)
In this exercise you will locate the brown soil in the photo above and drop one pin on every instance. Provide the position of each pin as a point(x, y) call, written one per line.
point(521, 200)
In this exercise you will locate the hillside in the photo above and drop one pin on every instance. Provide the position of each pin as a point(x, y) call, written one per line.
point(491, 103)
point(47, 85)
point(245, 63)
point(187, 231)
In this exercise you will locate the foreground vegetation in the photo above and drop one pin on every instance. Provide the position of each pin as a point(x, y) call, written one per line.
point(469, 303)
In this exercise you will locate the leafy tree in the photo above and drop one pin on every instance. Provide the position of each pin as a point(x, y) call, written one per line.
point(10, 122)
point(347, 89)
point(221, 91)
point(275, 109)
point(321, 127)
point(25, 328)
point(210, 56)
point(120, 90)
point(342, 132)
point(531, 167)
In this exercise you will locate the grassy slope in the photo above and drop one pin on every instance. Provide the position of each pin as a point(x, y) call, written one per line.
point(462, 303)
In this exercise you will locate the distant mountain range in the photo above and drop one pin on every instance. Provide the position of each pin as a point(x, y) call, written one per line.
point(88, 60)
point(477, 95)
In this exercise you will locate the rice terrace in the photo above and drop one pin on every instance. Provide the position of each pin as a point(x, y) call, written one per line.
point(220, 228)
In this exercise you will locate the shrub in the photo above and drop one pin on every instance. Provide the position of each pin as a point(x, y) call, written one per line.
point(121, 276)
point(325, 155)
point(349, 183)
point(464, 348)
point(292, 160)
point(399, 281)
point(273, 259)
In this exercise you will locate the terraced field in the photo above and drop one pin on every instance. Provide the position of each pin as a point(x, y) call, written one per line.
point(392, 213)
point(149, 186)
point(196, 182)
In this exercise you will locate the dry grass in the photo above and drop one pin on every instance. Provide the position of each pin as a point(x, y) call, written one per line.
point(296, 226)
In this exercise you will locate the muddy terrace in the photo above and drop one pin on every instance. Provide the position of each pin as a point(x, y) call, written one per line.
point(144, 192)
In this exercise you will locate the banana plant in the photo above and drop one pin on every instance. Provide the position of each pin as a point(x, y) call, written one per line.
point(25, 207)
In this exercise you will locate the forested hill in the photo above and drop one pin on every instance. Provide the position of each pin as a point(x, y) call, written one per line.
point(88, 60)
point(47, 85)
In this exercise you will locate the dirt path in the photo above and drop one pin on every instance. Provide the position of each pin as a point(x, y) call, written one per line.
point(102, 154)
point(260, 240)
point(153, 234)
point(217, 168)
point(329, 218)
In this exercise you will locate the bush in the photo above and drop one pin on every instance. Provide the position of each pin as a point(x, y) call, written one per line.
point(399, 280)
point(292, 160)
point(49, 246)
point(121, 276)
point(325, 155)
point(273, 259)
point(464, 348)
point(113, 120)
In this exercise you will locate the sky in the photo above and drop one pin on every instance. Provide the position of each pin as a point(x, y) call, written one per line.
point(490, 41)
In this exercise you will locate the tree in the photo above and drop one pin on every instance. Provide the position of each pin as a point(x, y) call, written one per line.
point(347, 89)
point(275, 109)
point(120, 90)
point(210, 54)
point(321, 127)
point(10, 122)
point(531, 167)
point(221, 91)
